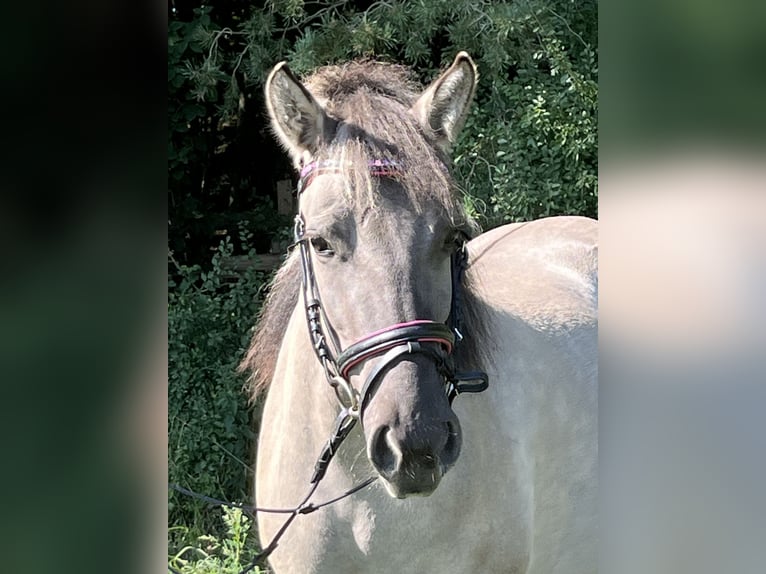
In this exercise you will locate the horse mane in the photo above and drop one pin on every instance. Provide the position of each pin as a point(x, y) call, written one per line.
point(260, 361)
point(372, 101)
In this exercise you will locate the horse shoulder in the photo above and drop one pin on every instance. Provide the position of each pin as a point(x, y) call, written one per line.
point(538, 283)
point(543, 272)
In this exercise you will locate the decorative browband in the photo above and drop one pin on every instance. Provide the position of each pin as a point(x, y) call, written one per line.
point(377, 167)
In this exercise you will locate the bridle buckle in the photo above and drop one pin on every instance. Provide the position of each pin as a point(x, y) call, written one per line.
point(347, 395)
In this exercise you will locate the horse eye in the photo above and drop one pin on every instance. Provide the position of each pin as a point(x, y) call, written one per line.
point(321, 246)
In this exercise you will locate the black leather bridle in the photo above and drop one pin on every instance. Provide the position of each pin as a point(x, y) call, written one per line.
point(431, 339)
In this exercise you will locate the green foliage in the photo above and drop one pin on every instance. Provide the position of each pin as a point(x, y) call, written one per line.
point(538, 158)
point(210, 318)
point(188, 79)
point(225, 554)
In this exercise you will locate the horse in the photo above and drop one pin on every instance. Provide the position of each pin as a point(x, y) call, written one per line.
point(501, 481)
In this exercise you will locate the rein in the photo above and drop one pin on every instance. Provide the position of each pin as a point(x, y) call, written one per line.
point(436, 341)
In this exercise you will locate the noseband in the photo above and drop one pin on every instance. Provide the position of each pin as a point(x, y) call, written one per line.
point(422, 337)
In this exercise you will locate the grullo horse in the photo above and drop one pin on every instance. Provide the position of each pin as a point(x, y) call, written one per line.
point(391, 294)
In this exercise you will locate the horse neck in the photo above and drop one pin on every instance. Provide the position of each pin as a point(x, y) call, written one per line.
point(304, 408)
point(299, 380)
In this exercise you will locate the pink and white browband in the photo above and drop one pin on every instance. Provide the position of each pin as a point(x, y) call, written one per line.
point(377, 167)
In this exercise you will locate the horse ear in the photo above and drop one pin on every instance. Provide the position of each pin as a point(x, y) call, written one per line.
point(443, 107)
point(298, 120)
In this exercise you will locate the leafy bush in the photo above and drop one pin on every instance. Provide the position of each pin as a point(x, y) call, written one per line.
point(210, 430)
point(538, 156)
point(227, 554)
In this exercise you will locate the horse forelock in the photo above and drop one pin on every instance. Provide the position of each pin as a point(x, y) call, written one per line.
point(334, 85)
point(371, 103)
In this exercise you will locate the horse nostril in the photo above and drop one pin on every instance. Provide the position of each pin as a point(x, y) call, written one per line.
point(426, 459)
point(383, 453)
point(452, 446)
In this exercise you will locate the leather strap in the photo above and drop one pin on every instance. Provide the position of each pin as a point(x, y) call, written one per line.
point(386, 362)
point(378, 343)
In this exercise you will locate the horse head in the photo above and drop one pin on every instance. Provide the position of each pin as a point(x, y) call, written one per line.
point(380, 223)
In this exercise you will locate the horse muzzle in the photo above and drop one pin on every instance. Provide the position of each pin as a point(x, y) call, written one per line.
point(413, 463)
point(413, 436)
